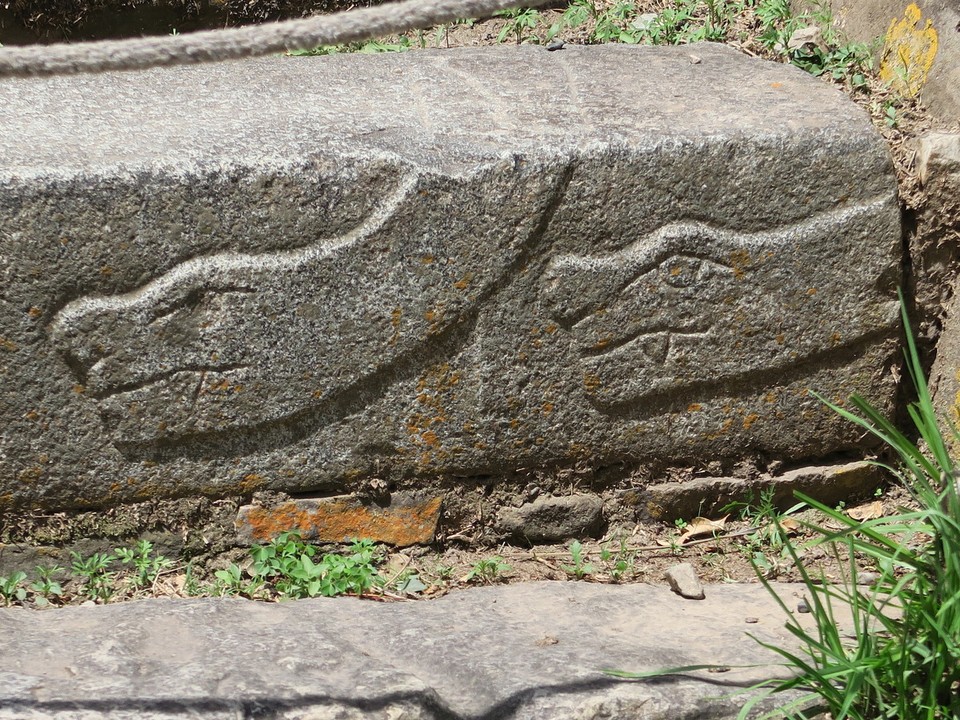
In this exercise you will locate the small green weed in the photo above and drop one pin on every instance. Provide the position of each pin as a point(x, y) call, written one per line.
point(45, 588)
point(618, 562)
point(12, 589)
point(487, 570)
point(580, 567)
point(520, 24)
point(95, 574)
point(230, 581)
point(766, 546)
point(399, 44)
point(286, 564)
point(147, 566)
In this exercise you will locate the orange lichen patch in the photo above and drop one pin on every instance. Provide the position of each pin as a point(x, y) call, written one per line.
point(547, 408)
point(909, 49)
point(427, 259)
point(770, 397)
point(8, 345)
point(835, 338)
point(601, 343)
point(106, 270)
point(591, 381)
point(430, 316)
point(408, 521)
point(724, 428)
point(429, 437)
point(32, 415)
point(740, 261)
point(694, 407)
point(750, 420)
point(34, 312)
point(79, 389)
point(464, 282)
point(811, 291)
point(252, 481)
point(30, 474)
point(552, 328)
point(780, 339)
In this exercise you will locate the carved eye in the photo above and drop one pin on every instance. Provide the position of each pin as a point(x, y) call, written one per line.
point(682, 271)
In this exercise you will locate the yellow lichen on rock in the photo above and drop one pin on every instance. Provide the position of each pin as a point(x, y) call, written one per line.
point(908, 52)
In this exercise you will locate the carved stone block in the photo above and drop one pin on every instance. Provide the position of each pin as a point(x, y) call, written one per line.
point(298, 273)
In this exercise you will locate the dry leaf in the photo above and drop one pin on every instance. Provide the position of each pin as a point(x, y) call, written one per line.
point(810, 35)
point(703, 526)
point(790, 526)
point(869, 511)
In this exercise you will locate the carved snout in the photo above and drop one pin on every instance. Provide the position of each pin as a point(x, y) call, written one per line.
point(123, 343)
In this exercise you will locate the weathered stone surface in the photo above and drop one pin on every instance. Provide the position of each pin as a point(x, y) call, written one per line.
point(552, 519)
point(934, 246)
point(709, 495)
point(406, 519)
point(523, 651)
point(936, 254)
point(291, 273)
point(683, 580)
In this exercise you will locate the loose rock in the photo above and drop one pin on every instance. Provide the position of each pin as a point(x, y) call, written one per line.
point(684, 581)
point(553, 519)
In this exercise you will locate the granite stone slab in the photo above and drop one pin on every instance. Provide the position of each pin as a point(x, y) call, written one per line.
point(531, 651)
point(291, 273)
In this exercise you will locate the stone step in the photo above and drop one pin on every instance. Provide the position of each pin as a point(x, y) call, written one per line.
point(535, 651)
point(292, 273)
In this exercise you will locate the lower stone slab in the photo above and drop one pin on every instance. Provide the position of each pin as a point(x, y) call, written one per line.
point(296, 273)
point(529, 651)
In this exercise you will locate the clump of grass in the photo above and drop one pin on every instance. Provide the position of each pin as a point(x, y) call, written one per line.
point(901, 658)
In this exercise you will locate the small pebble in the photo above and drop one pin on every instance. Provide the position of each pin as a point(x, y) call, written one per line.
point(555, 45)
point(684, 581)
point(802, 606)
point(867, 578)
point(751, 620)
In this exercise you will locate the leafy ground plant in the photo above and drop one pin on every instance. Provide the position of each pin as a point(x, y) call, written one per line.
point(46, 588)
point(286, 565)
point(487, 570)
point(12, 588)
point(147, 566)
point(580, 568)
point(95, 574)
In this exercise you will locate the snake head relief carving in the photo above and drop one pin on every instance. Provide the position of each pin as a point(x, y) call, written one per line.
point(235, 340)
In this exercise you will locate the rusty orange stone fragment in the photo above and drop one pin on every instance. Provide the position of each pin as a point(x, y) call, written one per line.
point(409, 519)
